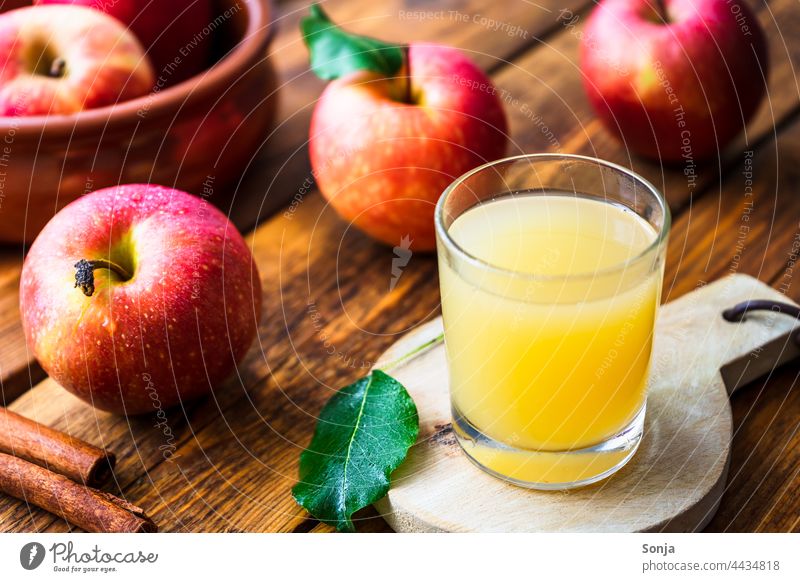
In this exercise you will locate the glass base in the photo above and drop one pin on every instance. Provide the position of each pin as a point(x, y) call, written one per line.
point(549, 470)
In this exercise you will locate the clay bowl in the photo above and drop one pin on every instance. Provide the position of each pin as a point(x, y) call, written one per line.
point(197, 135)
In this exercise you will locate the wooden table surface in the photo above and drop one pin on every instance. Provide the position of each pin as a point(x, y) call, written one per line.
point(329, 312)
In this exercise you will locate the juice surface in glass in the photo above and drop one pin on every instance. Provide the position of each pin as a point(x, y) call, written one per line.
point(559, 360)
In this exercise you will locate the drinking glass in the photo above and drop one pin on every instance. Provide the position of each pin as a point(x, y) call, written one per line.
point(551, 269)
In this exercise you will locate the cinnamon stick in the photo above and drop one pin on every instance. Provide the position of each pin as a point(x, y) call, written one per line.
point(54, 450)
point(85, 507)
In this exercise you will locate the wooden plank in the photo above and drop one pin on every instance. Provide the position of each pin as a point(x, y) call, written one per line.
point(325, 287)
point(756, 233)
point(268, 423)
point(706, 243)
point(313, 367)
point(675, 480)
point(750, 503)
point(357, 319)
point(549, 110)
point(751, 227)
point(763, 486)
point(281, 168)
point(490, 32)
point(310, 353)
point(764, 476)
point(18, 371)
point(300, 90)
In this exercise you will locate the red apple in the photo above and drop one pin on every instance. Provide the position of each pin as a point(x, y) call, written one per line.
point(674, 85)
point(64, 59)
point(383, 160)
point(138, 297)
point(172, 31)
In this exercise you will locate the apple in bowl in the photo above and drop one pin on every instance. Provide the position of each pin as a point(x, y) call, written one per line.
point(675, 79)
point(64, 59)
point(395, 127)
point(170, 30)
point(139, 297)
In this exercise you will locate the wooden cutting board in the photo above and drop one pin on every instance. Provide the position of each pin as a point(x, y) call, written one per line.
point(678, 475)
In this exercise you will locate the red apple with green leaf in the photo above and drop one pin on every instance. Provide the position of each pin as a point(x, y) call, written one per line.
point(139, 297)
point(394, 127)
point(170, 30)
point(64, 59)
point(674, 79)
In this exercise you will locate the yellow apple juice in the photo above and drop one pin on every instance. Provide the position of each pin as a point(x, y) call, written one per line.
point(548, 331)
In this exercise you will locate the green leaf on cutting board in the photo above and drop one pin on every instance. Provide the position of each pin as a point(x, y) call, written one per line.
point(335, 53)
point(363, 434)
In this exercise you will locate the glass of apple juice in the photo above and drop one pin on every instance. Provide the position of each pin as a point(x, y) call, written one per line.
point(551, 269)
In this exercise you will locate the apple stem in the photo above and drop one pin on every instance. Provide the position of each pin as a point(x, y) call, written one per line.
point(84, 273)
point(57, 67)
point(661, 9)
point(407, 53)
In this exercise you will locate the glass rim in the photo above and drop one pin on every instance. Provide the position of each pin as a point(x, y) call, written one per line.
point(457, 249)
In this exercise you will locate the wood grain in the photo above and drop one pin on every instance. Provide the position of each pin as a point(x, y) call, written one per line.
point(18, 370)
point(298, 94)
point(765, 414)
point(542, 118)
point(549, 110)
point(751, 227)
point(673, 483)
point(762, 490)
point(280, 169)
point(329, 311)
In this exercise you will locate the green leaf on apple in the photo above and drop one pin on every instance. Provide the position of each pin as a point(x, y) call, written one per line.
point(363, 434)
point(335, 53)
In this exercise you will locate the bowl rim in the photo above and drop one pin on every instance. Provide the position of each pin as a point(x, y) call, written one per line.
point(257, 36)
